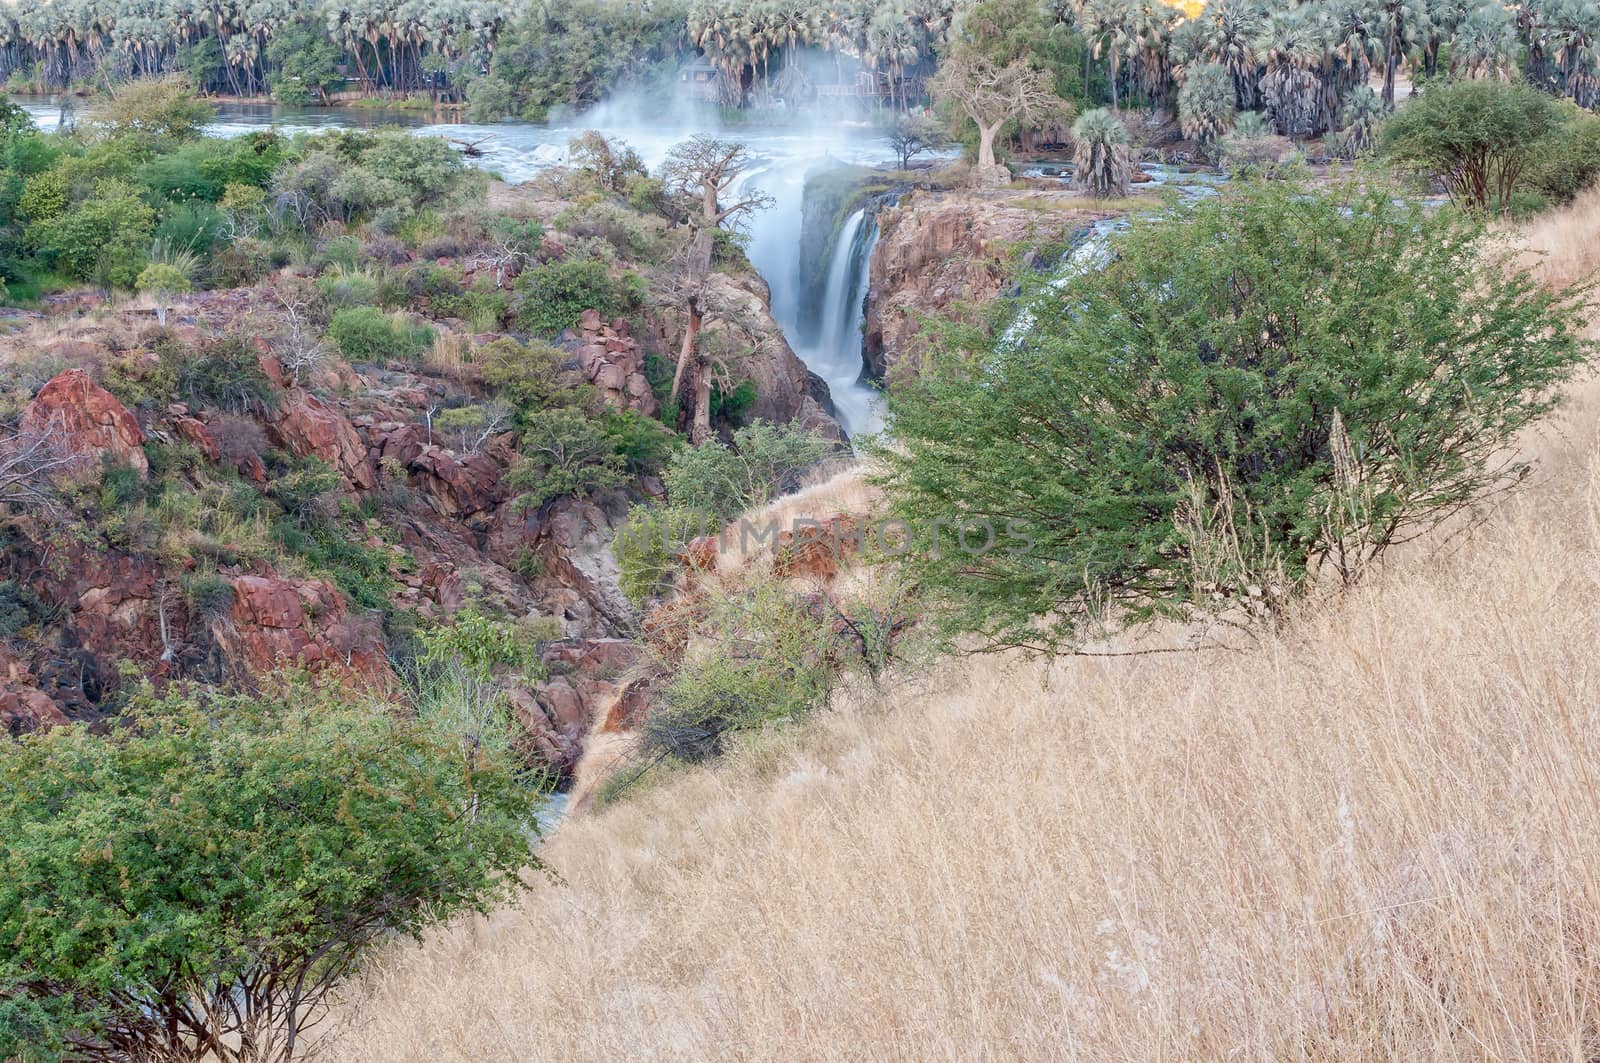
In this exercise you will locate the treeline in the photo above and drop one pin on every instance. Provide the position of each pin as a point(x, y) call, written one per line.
point(1296, 62)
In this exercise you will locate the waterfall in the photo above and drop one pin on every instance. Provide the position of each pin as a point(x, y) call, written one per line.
point(835, 356)
point(830, 342)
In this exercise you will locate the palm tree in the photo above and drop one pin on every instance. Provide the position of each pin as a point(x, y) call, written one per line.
point(1572, 28)
point(1292, 85)
point(1484, 43)
point(1236, 26)
point(1206, 105)
point(1400, 22)
point(1100, 165)
point(1359, 118)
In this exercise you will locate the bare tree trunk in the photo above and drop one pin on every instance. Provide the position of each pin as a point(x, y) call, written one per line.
point(700, 431)
point(986, 135)
point(686, 353)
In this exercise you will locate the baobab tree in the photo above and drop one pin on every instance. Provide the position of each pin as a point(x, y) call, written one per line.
point(709, 175)
point(992, 95)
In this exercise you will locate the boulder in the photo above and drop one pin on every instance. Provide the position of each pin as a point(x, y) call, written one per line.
point(25, 709)
point(195, 431)
point(309, 427)
point(456, 487)
point(84, 420)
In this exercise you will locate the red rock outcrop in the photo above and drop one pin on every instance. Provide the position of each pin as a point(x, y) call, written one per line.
point(278, 622)
point(83, 419)
point(195, 431)
point(815, 551)
point(309, 427)
point(613, 361)
point(455, 487)
point(25, 708)
point(938, 250)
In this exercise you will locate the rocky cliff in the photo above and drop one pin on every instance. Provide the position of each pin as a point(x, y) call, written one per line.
point(944, 253)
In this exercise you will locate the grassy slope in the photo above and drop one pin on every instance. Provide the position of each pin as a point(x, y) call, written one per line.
point(1376, 836)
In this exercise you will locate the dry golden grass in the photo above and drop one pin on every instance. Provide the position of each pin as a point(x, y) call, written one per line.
point(1568, 239)
point(1375, 836)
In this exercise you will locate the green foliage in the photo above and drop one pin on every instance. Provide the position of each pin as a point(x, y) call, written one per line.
point(341, 288)
point(1100, 163)
point(336, 548)
point(555, 294)
point(1206, 105)
point(103, 238)
point(385, 177)
point(150, 115)
point(162, 279)
point(226, 374)
point(210, 595)
point(307, 62)
point(645, 444)
point(528, 376)
point(647, 547)
point(770, 664)
point(633, 236)
point(219, 862)
point(564, 452)
point(19, 607)
point(765, 461)
point(609, 166)
point(367, 334)
point(1476, 138)
point(1255, 392)
point(575, 53)
point(1567, 160)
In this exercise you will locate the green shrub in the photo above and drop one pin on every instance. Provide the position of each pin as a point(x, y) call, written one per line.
point(17, 605)
point(226, 374)
point(770, 664)
point(555, 294)
point(1568, 160)
point(564, 452)
point(210, 595)
point(157, 896)
point(342, 288)
point(528, 376)
point(765, 461)
point(1255, 393)
point(646, 445)
point(366, 334)
point(648, 545)
point(243, 262)
point(1476, 138)
point(102, 239)
point(633, 236)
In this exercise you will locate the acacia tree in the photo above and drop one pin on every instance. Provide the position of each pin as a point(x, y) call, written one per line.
point(193, 883)
point(991, 95)
point(912, 135)
point(1253, 394)
point(1474, 137)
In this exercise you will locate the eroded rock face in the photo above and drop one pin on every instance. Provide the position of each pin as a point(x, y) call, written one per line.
point(278, 621)
point(25, 708)
point(83, 419)
point(309, 427)
point(612, 360)
point(935, 251)
point(456, 487)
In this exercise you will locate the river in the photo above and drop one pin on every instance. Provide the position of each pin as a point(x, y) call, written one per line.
point(516, 151)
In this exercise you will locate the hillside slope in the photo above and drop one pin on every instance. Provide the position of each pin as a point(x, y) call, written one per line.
point(1374, 836)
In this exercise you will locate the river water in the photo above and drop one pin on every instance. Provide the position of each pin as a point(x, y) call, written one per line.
point(518, 150)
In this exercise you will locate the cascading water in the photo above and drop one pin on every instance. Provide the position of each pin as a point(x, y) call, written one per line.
point(836, 354)
point(830, 346)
